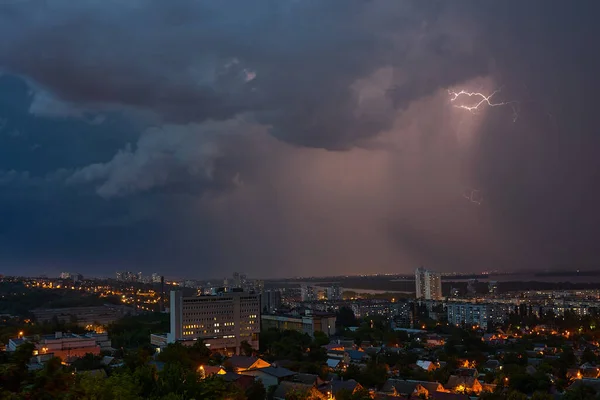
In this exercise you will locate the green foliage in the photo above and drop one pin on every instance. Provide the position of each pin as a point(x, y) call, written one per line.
point(256, 391)
point(581, 392)
point(542, 396)
point(134, 331)
point(287, 344)
point(321, 338)
point(373, 375)
point(189, 357)
point(345, 317)
point(246, 348)
point(346, 394)
point(589, 356)
point(87, 362)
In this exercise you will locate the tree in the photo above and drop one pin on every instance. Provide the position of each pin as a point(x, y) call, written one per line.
point(51, 381)
point(347, 394)
point(514, 395)
point(581, 392)
point(491, 396)
point(320, 338)
point(246, 348)
point(345, 317)
point(256, 391)
point(542, 396)
point(588, 356)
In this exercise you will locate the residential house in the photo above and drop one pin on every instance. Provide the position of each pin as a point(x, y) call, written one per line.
point(210, 370)
point(334, 363)
point(434, 341)
point(491, 365)
point(337, 354)
point(426, 365)
point(270, 376)
point(307, 379)
point(355, 356)
point(448, 396)
point(333, 346)
point(467, 372)
point(241, 381)
point(401, 387)
point(462, 384)
point(243, 363)
point(594, 383)
point(332, 388)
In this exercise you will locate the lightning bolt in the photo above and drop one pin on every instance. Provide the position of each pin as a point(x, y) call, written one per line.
point(474, 196)
point(481, 100)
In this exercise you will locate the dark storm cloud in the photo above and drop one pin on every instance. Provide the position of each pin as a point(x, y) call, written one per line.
point(215, 181)
point(291, 62)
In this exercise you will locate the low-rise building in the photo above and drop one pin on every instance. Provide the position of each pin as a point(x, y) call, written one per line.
point(67, 346)
point(309, 323)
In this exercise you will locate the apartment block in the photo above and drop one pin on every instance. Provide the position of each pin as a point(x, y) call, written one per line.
point(479, 314)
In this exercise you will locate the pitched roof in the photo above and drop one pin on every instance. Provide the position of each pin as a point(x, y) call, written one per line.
point(231, 376)
point(107, 360)
point(447, 396)
point(401, 386)
point(333, 363)
point(595, 383)
point(356, 354)
point(424, 364)
point(456, 380)
point(242, 361)
point(212, 369)
point(430, 386)
point(308, 379)
point(336, 386)
point(278, 372)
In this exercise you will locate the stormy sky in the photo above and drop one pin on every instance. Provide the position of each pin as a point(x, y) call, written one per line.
point(298, 137)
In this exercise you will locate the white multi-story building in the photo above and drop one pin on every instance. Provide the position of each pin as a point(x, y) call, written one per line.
point(334, 292)
point(307, 293)
point(477, 314)
point(222, 321)
point(428, 284)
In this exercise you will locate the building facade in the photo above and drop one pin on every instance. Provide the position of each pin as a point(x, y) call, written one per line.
point(308, 323)
point(334, 292)
point(67, 346)
point(477, 314)
point(270, 301)
point(308, 293)
point(222, 321)
point(428, 284)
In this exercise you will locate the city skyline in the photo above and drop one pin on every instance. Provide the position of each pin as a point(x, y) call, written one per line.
point(461, 136)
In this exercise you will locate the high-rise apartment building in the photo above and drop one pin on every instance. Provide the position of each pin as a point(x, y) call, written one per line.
point(270, 301)
point(334, 292)
point(307, 293)
point(222, 321)
point(429, 284)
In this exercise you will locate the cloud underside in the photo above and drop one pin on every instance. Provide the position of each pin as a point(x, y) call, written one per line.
point(298, 137)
